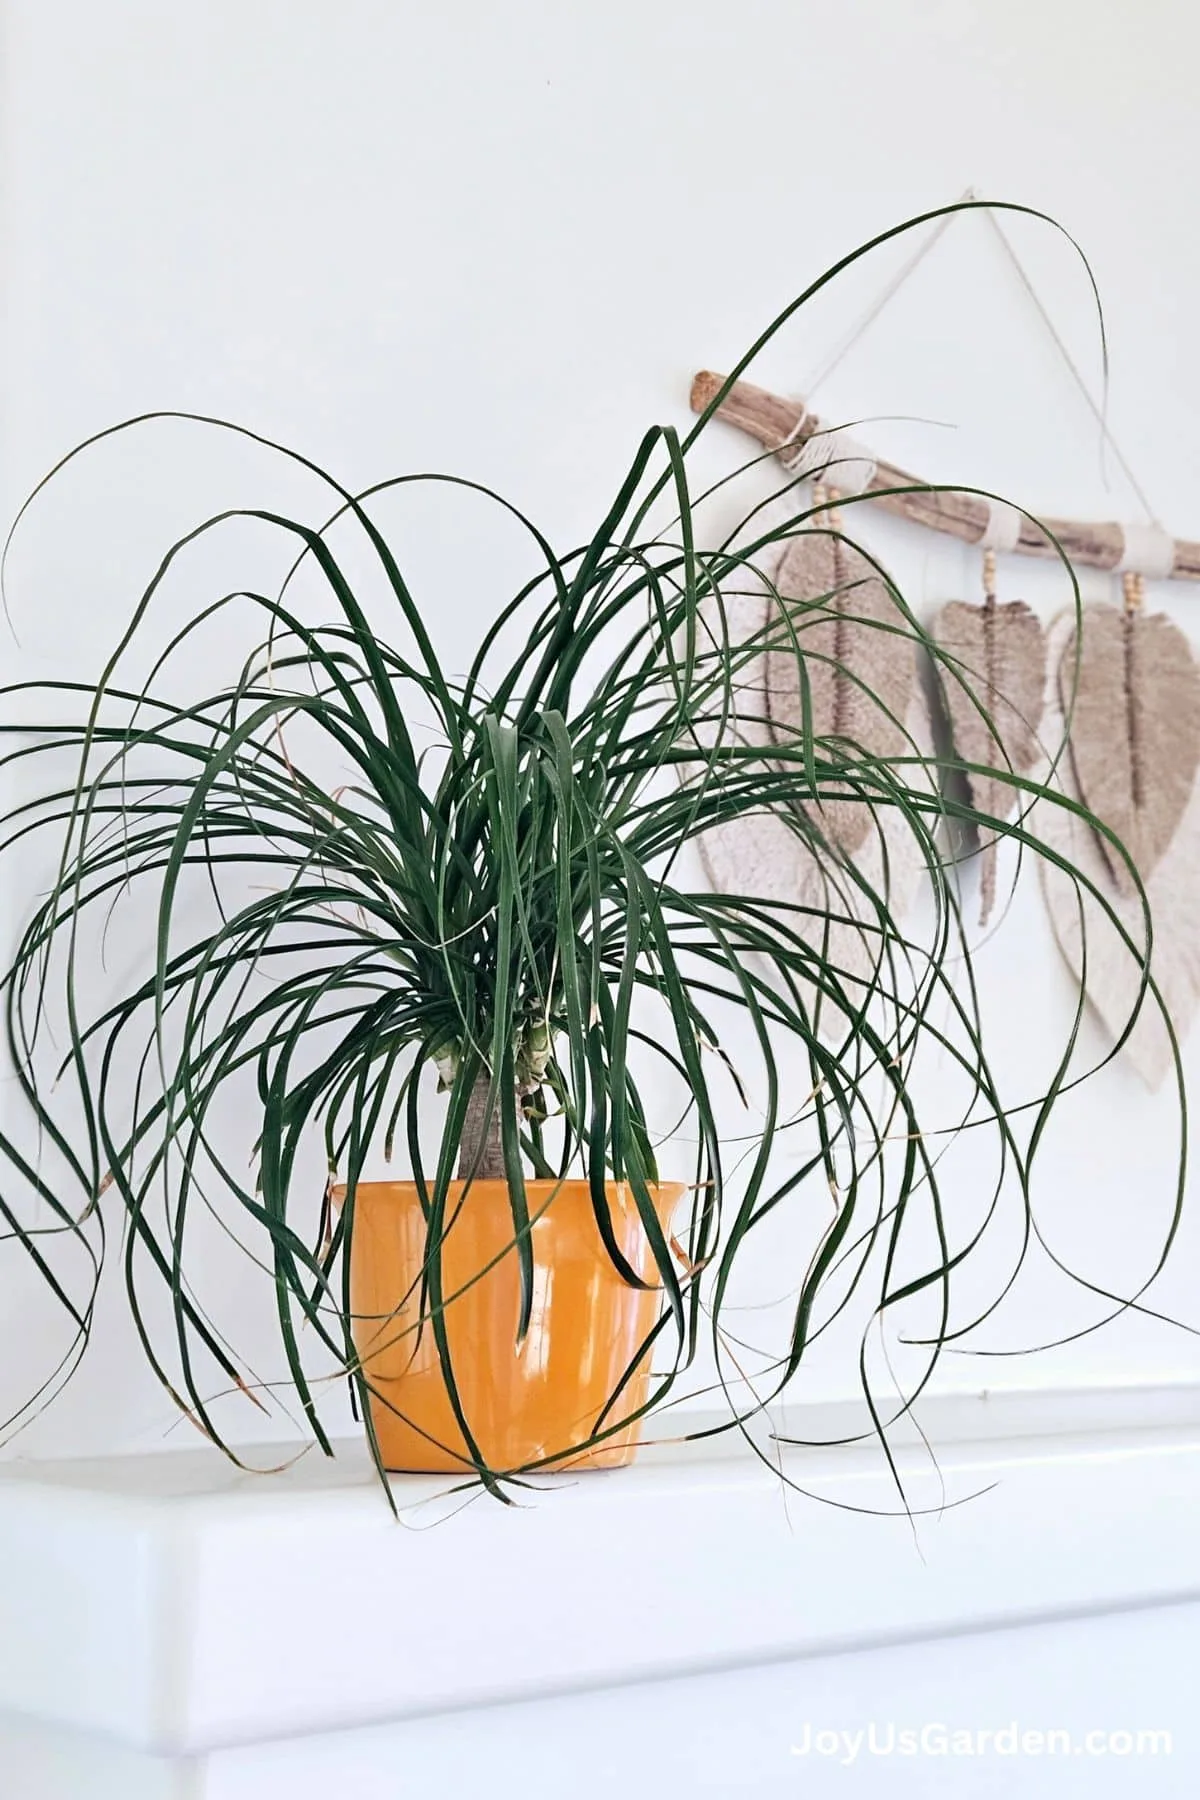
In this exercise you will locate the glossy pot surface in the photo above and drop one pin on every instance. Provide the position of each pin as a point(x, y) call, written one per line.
point(526, 1403)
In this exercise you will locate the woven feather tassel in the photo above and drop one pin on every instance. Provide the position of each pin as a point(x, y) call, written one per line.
point(1133, 697)
point(759, 856)
point(860, 674)
point(993, 689)
point(1171, 863)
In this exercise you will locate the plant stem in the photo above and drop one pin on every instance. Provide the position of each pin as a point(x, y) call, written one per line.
point(481, 1155)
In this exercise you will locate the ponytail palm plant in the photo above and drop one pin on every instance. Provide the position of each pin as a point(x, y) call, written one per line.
point(454, 916)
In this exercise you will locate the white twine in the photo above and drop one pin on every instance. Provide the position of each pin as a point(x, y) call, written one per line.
point(1003, 529)
point(1146, 547)
point(1147, 550)
point(835, 458)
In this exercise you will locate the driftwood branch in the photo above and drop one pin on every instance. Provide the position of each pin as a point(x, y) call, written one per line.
point(782, 425)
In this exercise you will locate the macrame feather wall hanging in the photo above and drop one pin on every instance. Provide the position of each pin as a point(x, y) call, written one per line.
point(992, 683)
point(862, 691)
point(1127, 689)
point(1109, 714)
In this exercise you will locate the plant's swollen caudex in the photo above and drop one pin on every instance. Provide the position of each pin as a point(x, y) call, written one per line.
point(372, 878)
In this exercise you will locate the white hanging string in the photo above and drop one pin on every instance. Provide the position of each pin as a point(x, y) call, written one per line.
point(888, 294)
point(1096, 409)
point(909, 268)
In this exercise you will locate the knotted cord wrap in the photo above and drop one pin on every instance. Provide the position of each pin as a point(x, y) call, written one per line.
point(831, 456)
point(1002, 533)
point(1148, 551)
point(779, 425)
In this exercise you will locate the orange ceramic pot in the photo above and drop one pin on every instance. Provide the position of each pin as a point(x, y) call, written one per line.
point(532, 1402)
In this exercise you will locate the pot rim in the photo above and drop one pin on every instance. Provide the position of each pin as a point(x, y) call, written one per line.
point(541, 1187)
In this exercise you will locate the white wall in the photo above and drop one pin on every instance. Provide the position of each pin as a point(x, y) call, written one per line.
point(499, 240)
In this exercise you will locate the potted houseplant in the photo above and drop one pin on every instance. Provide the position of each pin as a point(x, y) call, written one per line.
point(474, 880)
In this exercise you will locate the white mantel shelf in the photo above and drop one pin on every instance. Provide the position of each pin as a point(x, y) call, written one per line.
point(176, 1606)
